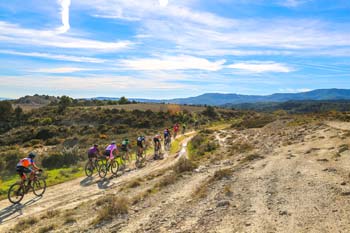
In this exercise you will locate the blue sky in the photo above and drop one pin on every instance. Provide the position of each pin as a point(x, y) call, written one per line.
point(168, 48)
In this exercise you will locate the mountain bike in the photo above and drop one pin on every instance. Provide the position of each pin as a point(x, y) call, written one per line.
point(140, 158)
point(157, 154)
point(91, 165)
point(20, 188)
point(167, 143)
point(106, 165)
point(123, 159)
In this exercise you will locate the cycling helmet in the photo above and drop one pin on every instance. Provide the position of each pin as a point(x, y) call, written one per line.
point(126, 139)
point(113, 142)
point(31, 155)
point(157, 136)
point(95, 145)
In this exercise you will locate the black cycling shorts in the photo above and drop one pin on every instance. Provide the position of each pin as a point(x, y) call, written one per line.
point(21, 170)
point(92, 155)
point(140, 144)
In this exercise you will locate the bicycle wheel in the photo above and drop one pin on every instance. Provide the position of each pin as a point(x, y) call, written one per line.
point(114, 166)
point(16, 193)
point(102, 170)
point(89, 169)
point(39, 187)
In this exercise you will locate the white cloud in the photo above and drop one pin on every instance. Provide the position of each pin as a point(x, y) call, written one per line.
point(260, 67)
point(61, 70)
point(96, 84)
point(54, 56)
point(297, 90)
point(181, 62)
point(293, 3)
point(14, 34)
point(163, 3)
point(65, 4)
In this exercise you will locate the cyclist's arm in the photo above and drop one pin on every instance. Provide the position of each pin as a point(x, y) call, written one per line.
point(35, 167)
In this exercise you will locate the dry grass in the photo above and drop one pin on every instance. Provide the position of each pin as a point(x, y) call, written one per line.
point(167, 180)
point(51, 214)
point(69, 220)
point(112, 207)
point(223, 173)
point(184, 165)
point(252, 157)
point(241, 147)
point(135, 183)
point(25, 224)
point(46, 229)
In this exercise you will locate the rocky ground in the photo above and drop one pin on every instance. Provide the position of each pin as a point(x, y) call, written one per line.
point(280, 178)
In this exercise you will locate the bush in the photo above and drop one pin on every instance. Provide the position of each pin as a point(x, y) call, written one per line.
point(184, 165)
point(66, 158)
point(112, 206)
point(46, 133)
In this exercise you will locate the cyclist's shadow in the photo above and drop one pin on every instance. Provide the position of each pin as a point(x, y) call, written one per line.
point(15, 210)
point(87, 181)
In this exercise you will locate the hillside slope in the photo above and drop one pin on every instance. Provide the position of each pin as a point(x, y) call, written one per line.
point(284, 177)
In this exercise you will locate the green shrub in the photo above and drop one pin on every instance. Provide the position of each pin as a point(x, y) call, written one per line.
point(65, 158)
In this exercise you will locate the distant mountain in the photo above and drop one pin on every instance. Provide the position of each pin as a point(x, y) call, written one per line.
point(297, 106)
point(1, 98)
point(222, 99)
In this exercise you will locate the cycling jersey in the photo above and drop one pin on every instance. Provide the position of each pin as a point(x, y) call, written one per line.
point(125, 145)
point(109, 150)
point(26, 162)
point(166, 133)
point(140, 141)
point(93, 152)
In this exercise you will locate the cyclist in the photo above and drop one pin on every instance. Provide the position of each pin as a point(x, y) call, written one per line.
point(125, 147)
point(157, 146)
point(141, 141)
point(24, 166)
point(183, 128)
point(167, 136)
point(93, 152)
point(176, 129)
point(110, 149)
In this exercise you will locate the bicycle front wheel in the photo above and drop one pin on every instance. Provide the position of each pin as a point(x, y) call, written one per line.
point(114, 165)
point(39, 187)
point(16, 193)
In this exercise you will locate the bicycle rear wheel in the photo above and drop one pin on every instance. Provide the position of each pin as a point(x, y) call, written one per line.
point(16, 193)
point(39, 187)
point(89, 169)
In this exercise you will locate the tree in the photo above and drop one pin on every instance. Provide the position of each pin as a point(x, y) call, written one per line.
point(123, 100)
point(65, 101)
point(5, 110)
point(210, 112)
point(18, 112)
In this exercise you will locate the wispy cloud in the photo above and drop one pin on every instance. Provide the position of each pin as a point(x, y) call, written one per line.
point(293, 3)
point(14, 34)
point(54, 56)
point(261, 67)
point(65, 4)
point(61, 70)
point(181, 62)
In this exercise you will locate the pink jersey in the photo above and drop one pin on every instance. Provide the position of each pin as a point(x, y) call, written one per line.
point(110, 149)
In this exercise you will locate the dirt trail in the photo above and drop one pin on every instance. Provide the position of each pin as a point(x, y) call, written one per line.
point(70, 194)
